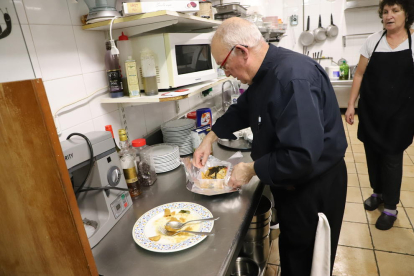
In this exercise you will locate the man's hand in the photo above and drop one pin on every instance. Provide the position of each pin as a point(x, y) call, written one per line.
point(202, 153)
point(241, 174)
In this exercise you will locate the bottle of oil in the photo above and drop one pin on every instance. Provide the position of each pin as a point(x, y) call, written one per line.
point(127, 157)
point(149, 72)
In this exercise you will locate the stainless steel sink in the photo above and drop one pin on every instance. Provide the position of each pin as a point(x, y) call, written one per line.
point(342, 90)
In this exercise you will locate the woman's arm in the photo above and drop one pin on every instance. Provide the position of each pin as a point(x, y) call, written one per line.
point(356, 85)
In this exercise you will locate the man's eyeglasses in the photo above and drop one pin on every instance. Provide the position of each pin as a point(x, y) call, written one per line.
point(231, 50)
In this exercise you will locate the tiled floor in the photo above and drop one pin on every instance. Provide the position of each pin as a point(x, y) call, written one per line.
point(364, 250)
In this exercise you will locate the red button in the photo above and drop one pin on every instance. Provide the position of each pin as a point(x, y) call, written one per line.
point(125, 204)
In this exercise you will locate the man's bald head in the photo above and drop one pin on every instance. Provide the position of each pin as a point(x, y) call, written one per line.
point(236, 30)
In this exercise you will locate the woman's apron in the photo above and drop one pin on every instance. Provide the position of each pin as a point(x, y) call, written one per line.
point(386, 104)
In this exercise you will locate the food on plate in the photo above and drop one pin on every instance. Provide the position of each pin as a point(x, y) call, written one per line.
point(217, 172)
point(173, 215)
point(155, 238)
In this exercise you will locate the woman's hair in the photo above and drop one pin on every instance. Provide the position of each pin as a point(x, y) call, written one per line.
point(235, 31)
point(406, 5)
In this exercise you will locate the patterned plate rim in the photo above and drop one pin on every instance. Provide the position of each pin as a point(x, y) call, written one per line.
point(138, 230)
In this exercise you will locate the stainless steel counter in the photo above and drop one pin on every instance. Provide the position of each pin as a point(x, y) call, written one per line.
point(118, 255)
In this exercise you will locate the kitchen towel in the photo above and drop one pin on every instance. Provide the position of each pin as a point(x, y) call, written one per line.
point(321, 262)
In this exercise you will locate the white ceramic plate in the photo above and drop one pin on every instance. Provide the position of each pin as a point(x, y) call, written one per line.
point(144, 228)
point(179, 124)
point(160, 150)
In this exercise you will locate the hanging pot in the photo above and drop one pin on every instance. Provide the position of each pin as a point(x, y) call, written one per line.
point(332, 30)
point(306, 38)
point(320, 32)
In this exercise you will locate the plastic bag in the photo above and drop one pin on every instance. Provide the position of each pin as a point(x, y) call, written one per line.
point(194, 174)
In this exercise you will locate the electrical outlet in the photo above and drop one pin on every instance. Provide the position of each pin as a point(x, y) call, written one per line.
point(293, 20)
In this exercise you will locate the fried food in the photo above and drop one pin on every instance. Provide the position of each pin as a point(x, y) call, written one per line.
point(217, 172)
point(155, 238)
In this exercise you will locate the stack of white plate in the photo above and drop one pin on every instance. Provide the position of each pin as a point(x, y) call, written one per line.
point(178, 132)
point(166, 157)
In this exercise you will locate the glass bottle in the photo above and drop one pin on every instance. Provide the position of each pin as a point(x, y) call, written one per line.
point(113, 72)
point(127, 158)
point(109, 128)
point(145, 162)
point(149, 72)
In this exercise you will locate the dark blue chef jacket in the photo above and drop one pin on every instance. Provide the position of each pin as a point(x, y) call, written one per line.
point(294, 115)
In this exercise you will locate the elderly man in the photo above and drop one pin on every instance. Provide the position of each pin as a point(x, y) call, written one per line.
point(299, 141)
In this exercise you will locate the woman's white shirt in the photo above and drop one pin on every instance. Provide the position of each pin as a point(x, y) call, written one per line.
point(369, 45)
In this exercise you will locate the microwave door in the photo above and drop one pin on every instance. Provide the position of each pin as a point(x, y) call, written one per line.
point(193, 58)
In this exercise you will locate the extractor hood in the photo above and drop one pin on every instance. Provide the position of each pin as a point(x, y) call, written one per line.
point(351, 4)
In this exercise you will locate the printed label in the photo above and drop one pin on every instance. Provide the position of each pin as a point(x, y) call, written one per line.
point(115, 81)
point(130, 175)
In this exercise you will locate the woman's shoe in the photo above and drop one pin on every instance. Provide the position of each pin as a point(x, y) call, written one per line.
point(386, 221)
point(372, 202)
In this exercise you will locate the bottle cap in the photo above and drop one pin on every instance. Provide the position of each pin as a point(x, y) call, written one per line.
point(139, 143)
point(123, 37)
point(192, 115)
point(109, 128)
point(122, 135)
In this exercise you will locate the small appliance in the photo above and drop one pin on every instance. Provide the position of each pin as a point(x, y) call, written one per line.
point(104, 197)
point(180, 58)
point(100, 10)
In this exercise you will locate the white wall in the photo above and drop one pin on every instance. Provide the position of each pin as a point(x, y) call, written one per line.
point(351, 21)
point(71, 63)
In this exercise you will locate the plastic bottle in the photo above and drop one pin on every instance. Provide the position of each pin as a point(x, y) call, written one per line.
point(124, 46)
point(344, 71)
point(145, 163)
point(127, 157)
point(113, 73)
point(149, 72)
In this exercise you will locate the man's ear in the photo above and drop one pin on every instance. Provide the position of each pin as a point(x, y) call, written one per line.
point(244, 51)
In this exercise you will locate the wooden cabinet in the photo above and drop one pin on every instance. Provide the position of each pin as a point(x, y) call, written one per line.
point(41, 230)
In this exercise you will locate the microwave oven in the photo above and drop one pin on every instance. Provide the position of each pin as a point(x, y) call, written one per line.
point(180, 58)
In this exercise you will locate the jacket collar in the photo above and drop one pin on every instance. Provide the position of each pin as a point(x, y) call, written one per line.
point(267, 63)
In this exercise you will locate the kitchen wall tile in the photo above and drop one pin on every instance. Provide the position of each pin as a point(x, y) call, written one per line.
point(64, 91)
point(136, 122)
point(91, 48)
point(153, 117)
point(184, 105)
point(112, 118)
point(195, 100)
point(168, 110)
point(83, 128)
point(56, 51)
point(14, 59)
point(21, 13)
point(32, 51)
point(47, 12)
point(93, 82)
point(76, 10)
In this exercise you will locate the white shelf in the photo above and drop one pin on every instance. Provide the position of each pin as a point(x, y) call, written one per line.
point(192, 91)
point(154, 20)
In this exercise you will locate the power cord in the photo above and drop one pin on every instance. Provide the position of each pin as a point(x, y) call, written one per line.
point(91, 161)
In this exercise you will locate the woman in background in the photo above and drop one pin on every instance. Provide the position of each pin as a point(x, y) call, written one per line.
point(385, 81)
